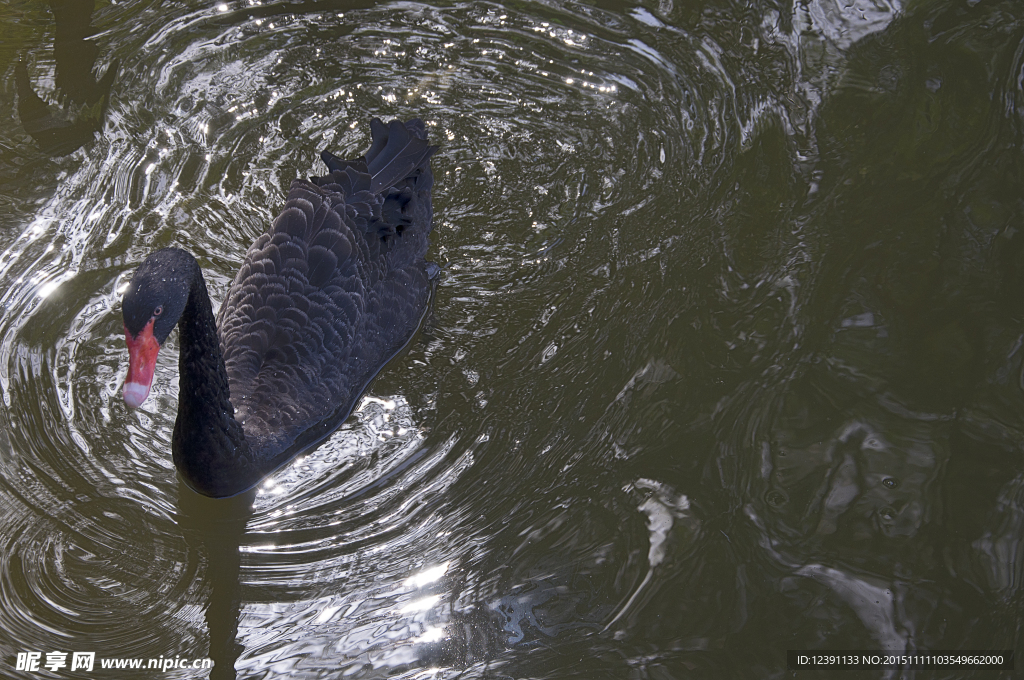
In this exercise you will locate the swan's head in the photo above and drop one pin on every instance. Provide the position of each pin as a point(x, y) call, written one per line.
point(152, 305)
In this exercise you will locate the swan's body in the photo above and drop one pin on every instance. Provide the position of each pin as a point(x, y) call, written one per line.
point(322, 301)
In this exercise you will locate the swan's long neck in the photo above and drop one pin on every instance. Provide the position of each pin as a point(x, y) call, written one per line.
point(209, 445)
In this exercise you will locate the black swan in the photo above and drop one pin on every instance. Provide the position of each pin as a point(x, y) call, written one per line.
point(323, 300)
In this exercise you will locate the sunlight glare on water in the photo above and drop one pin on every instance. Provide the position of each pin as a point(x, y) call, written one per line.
point(724, 360)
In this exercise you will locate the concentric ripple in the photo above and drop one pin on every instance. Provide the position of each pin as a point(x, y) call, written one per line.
point(550, 125)
point(658, 396)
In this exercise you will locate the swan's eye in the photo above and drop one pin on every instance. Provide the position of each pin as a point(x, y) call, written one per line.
point(158, 311)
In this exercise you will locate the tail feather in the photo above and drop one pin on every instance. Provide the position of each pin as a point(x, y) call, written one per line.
point(352, 176)
point(396, 140)
point(396, 152)
point(404, 150)
point(378, 139)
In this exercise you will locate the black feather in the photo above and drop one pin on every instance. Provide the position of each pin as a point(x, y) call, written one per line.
point(319, 305)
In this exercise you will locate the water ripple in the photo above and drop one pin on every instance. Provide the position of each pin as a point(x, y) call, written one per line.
point(629, 378)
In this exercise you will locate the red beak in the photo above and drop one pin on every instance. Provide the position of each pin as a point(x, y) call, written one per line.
point(142, 351)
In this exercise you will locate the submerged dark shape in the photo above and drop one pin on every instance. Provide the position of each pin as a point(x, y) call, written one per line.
point(322, 301)
point(62, 130)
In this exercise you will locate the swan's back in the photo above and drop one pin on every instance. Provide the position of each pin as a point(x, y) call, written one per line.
point(334, 290)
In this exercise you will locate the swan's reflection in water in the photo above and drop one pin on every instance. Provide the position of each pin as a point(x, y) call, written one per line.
point(319, 520)
point(61, 131)
point(748, 192)
point(216, 528)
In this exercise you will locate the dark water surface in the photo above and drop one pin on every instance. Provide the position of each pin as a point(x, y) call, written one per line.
point(726, 358)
